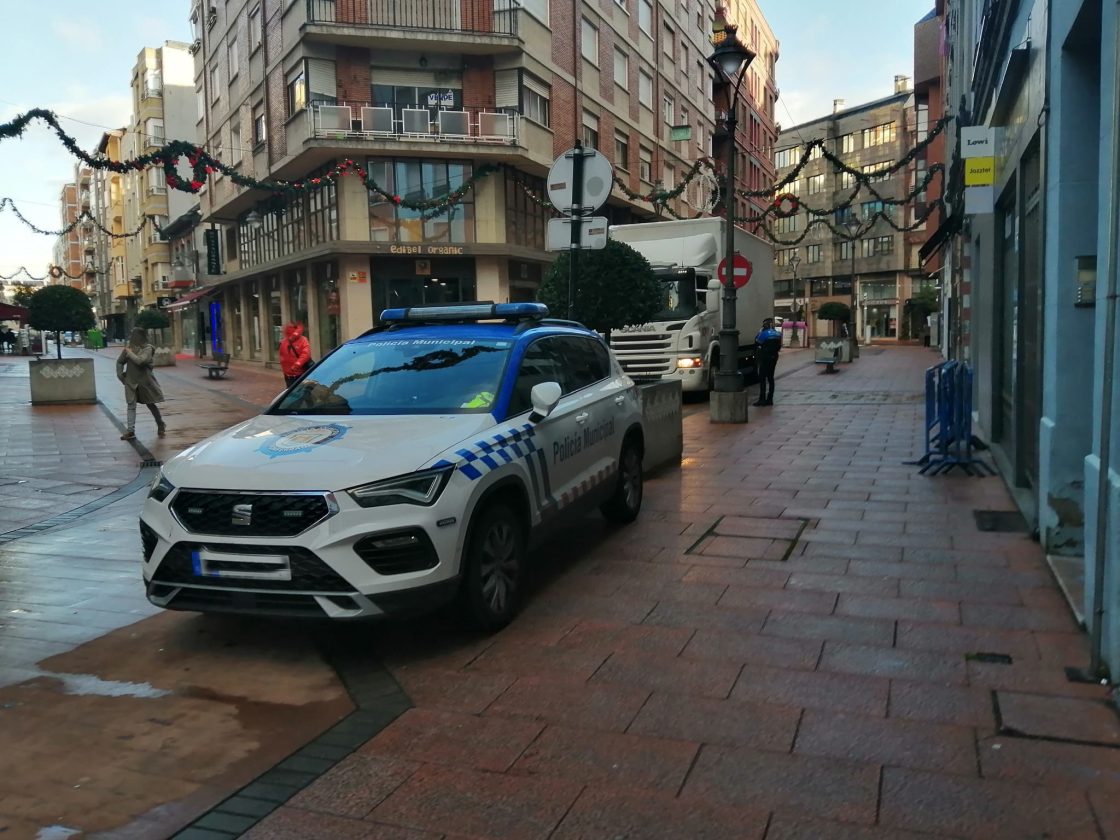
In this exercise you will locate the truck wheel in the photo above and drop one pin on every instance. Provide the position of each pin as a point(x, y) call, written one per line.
point(493, 561)
point(626, 502)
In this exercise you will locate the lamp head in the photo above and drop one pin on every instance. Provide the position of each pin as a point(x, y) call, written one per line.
point(253, 219)
point(731, 55)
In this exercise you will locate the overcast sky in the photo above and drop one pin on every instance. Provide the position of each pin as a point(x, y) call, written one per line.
point(76, 57)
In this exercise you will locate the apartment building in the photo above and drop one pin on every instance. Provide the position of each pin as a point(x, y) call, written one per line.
point(875, 272)
point(424, 93)
point(757, 126)
point(111, 279)
point(163, 107)
point(69, 248)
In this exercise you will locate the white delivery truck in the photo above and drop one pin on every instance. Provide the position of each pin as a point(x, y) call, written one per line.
point(683, 339)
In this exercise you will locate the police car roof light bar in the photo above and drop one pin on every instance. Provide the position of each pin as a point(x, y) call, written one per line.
point(478, 311)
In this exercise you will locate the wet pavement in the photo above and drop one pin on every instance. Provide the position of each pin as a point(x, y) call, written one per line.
point(799, 638)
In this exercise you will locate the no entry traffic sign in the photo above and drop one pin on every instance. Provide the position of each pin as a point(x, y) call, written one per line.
point(742, 271)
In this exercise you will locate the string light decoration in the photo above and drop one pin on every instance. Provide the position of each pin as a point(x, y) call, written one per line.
point(203, 165)
point(84, 216)
point(55, 272)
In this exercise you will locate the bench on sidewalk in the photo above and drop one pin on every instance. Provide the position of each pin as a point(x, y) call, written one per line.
point(219, 368)
point(829, 358)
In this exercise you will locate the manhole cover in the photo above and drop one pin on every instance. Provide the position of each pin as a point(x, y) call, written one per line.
point(1001, 521)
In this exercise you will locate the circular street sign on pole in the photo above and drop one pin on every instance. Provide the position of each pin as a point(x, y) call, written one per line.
point(742, 271)
point(597, 180)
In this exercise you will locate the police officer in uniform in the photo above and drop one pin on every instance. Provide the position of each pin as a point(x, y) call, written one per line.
point(768, 344)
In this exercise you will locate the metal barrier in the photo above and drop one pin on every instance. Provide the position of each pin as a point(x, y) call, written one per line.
point(948, 422)
point(662, 418)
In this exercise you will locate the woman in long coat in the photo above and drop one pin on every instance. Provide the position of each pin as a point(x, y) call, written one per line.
point(134, 370)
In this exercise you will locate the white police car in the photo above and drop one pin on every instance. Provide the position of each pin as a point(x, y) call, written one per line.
point(411, 466)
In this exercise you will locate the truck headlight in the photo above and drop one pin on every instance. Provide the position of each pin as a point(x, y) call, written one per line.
point(688, 364)
point(161, 488)
point(422, 488)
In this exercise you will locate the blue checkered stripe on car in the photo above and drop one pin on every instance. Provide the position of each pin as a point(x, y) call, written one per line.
point(482, 456)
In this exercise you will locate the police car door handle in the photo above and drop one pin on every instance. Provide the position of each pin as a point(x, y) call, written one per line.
point(582, 418)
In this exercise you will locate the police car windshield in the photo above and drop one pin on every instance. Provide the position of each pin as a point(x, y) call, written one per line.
point(403, 375)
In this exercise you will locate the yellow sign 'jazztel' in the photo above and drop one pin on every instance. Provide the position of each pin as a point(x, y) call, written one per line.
point(979, 172)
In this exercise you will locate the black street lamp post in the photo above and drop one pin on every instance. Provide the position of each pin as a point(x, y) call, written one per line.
point(731, 59)
point(794, 260)
point(852, 224)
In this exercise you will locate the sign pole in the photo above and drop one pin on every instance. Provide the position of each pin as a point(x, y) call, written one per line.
point(577, 224)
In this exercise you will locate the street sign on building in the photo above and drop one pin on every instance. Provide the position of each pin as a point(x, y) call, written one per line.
point(742, 270)
point(977, 141)
point(213, 254)
point(979, 171)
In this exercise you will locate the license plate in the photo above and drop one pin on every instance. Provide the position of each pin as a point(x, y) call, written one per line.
point(218, 564)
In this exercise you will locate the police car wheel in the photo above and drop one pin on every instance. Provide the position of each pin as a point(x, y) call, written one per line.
point(626, 502)
point(493, 563)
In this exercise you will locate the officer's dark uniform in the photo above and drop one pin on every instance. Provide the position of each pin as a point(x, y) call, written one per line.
point(768, 344)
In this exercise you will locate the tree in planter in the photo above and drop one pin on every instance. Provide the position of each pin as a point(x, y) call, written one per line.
point(614, 288)
point(152, 319)
point(834, 311)
point(60, 308)
point(923, 304)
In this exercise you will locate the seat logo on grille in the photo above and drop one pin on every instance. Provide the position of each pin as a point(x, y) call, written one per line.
point(242, 515)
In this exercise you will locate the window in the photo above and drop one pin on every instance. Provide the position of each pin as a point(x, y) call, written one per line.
point(793, 187)
point(235, 141)
point(813, 253)
point(668, 38)
point(645, 164)
point(586, 362)
point(844, 250)
point(700, 76)
point(787, 157)
point(667, 176)
point(685, 117)
point(260, 124)
point(200, 103)
point(878, 171)
point(645, 88)
point(621, 4)
point(645, 16)
point(885, 245)
point(844, 215)
point(870, 208)
point(215, 83)
point(420, 180)
point(153, 132)
point(196, 25)
point(590, 130)
point(867, 247)
point(234, 63)
point(815, 184)
point(668, 109)
point(922, 119)
point(256, 30)
point(878, 135)
point(622, 151)
point(535, 100)
point(781, 258)
point(786, 225)
point(526, 220)
point(847, 179)
point(621, 69)
point(816, 153)
point(589, 41)
point(848, 144)
point(297, 91)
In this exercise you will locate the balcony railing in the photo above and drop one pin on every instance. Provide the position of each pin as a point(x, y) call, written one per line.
point(494, 17)
point(363, 121)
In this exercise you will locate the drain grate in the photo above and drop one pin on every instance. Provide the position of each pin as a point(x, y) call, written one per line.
point(1001, 521)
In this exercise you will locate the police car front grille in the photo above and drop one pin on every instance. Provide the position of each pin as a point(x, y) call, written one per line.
point(248, 514)
point(398, 552)
point(309, 573)
point(259, 603)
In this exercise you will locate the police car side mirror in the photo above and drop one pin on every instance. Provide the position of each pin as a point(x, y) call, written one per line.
point(544, 397)
point(711, 301)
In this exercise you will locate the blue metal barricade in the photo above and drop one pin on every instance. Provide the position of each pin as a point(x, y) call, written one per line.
point(948, 422)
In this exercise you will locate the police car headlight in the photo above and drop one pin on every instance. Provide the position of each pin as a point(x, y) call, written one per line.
point(422, 488)
point(161, 488)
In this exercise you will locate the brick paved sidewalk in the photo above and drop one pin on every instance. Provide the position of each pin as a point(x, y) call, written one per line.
point(800, 638)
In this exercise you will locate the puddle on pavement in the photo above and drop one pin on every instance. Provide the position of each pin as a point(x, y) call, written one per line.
point(88, 684)
point(56, 832)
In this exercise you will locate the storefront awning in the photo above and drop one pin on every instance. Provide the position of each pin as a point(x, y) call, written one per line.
point(187, 300)
point(945, 231)
point(9, 312)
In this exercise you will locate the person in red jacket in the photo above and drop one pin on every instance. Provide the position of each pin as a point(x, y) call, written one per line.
point(295, 353)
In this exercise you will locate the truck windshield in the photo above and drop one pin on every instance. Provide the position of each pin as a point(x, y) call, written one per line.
point(679, 300)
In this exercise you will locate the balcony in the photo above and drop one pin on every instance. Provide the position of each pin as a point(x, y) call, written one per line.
point(153, 92)
point(481, 22)
point(361, 121)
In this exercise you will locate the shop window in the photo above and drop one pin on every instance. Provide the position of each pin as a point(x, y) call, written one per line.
point(416, 179)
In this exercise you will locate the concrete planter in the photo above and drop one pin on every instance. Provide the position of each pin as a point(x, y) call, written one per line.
point(164, 357)
point(62, 382)
point(662, 419)
point(845, 345)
